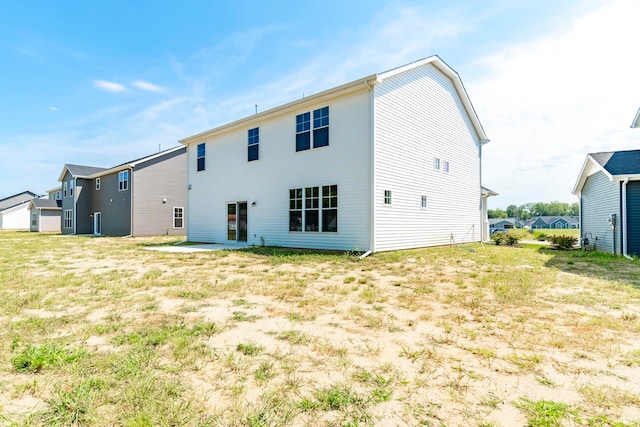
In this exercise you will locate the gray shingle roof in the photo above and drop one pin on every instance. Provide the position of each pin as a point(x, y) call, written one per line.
point(79, 170)
point(619, 162)
point(16, 199)
point(47, 203)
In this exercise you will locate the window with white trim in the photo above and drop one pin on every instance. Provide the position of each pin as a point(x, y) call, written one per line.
point(387, 197)
point(68, 218)
point(123, 180)
point(71, 188)
point(253, 151)
point(445, 167)
point(423, 202)
point(305, 139)
point(314, 209)
point(178, 217)
point(436, 164)
point(200, 155)
point(64, 189)
point(97, 183)
point(34, 219)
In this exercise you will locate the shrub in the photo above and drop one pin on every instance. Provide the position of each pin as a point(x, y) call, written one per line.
point(505, 238)
point(562, 241)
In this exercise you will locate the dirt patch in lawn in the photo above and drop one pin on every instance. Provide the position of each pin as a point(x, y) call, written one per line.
point(474, 335)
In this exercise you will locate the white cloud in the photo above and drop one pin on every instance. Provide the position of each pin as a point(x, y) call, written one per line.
point(548, 102)
point(109, 86)
point(140, 84)
point(54, 109)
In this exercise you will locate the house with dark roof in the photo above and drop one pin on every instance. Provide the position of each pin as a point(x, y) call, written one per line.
point(503, 224)
point(45, 215)
point(145, 196)
point(559, 222)
point(14, 212)
point(608, 187)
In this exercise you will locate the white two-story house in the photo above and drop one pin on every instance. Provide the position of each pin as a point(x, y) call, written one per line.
point(389, 161)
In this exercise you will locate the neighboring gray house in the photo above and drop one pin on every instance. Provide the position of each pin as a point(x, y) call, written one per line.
point(45, 215)
point(609, 191)
point(14, 212)
point(502, 223)
point(559, 222)
point(146, 196)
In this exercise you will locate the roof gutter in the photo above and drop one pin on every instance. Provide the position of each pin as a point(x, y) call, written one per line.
point(353, 86)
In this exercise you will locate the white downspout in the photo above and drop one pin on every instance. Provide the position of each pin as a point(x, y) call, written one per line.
point(624, 218)
point(372, 169)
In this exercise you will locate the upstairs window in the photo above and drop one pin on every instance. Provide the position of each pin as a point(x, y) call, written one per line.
point(423, 202)
point(303, 131)
point(201, 154)
point(123, 181)
point(321, 127)
point(436, 164)
point(305, 139)
point(445, 167)
point(387, 197)
point(71, 188)
point(64, 189)
point(97, 183)
point(254, 144)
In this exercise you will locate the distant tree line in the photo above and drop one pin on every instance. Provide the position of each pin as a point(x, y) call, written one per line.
point(530, 210)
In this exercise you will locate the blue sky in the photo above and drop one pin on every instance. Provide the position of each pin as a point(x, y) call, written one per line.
point(100, 83)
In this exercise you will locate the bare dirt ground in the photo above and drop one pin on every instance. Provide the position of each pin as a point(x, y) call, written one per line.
point(469, 335)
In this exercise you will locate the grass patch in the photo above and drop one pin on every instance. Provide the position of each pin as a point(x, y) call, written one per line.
point(399, 337)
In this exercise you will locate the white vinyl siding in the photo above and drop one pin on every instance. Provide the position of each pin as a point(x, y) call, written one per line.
point(345, 163)
point(419, 121)
point(600, 199)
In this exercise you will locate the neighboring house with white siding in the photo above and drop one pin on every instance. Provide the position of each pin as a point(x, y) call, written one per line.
point(390, 161)
point(608, 187)
point(14, 211)
point(146, 196)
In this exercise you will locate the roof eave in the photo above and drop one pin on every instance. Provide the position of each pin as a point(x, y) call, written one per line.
point(636, 120)
point(437, 62)
point(630, 177)
point(582, 178)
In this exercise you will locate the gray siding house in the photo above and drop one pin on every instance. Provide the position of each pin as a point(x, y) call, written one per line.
point(609, 191)
point(559, 222)
point(45, 215)
point(146, 196)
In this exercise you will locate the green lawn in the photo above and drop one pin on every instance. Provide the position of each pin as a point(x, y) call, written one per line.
point(103, 332)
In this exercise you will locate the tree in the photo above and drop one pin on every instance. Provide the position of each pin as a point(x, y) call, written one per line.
point(496, 213)
point(528, 210)
point(513, 211)
point(574, 209)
